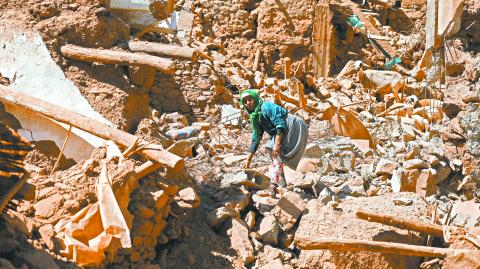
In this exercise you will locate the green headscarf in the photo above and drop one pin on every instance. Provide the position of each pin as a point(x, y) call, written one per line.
point(257, 112)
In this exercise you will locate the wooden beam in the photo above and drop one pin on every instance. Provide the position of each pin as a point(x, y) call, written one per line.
point(154, 152)
point(323, 40)
point(402, 223)
point(145, 169)
point(117, 57)
point(375, 246)
point(185, 53)
point(256, 62)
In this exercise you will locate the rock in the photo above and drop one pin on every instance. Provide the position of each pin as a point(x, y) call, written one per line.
point(237, 199)
point(293, 177)
point(161, 198)
point(385, 167)
point(441, 172)
point(425, 184)
point(285, 240)
point(402, 201)
point(354, 187)
point(20, 222)
point(218, 216)
point(346, 84)
point(268, 230)
point(452, 108)
point(325, 222)
point(47, 207)
point(250, 220)
point(35, 259)
point(264, 204)
point(189, 196)
point(230, 115)
point(204, 70)
point(249, 178)
point(288, 210)
point(404, 180)
point(47, 234)
point(465, 214)
point(5, 264)
point(326, 195)
point(234, 160)
point(313, 151)
point(415, 164)
point(412, 153)
point(275, 264)
point(307, 165)
point(238, 233)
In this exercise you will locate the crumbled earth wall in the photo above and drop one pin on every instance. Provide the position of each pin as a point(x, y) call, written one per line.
point(280, 28)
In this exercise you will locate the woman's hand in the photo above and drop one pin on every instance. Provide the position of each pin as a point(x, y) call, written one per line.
point(247, 163)
point(275, 151)
point(276, 147)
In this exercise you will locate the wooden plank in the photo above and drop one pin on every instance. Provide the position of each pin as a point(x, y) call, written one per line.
point(402, 223)
point(374, 246)
point(323, 39)
point(154, 152)
point(117, 57)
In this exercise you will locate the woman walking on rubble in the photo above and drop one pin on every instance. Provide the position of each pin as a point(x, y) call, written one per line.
point(288, 133)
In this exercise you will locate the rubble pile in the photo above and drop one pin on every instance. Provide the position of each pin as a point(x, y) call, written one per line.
point(139, 141)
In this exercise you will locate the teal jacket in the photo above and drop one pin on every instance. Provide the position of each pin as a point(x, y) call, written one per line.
point(272, 121)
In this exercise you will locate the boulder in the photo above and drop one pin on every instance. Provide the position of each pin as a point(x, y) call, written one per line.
point(404, 180)
point(218, 216)
point(189, 196)
point(415, 164)
point(268, 230)
point(425, 185)
point(237, 198)
point(385, 167)
point(307, 165)
point(264, 204)
point(326, 222)
point(47, 207)
point(275, 264)
point(238, 233)
point(289, 209)
point(292, 177)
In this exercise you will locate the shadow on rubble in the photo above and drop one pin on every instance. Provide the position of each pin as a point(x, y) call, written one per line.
point(18, 252)
point(198, 245)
